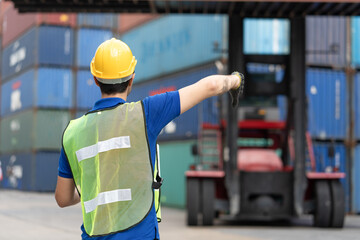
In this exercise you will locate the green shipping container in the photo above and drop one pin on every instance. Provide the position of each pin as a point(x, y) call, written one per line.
point(175, 158)
point(33, 130)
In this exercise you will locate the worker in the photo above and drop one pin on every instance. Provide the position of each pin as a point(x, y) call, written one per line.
point(108, 156)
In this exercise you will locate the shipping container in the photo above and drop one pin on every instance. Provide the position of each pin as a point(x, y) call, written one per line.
point(175, 159)
point(356, 104)
point(128, 21)
point(15, 24)
point(326, 43)
point(173, 43)
point(186, 126)
point(30, 171)
point(44, 45)
point(33, 130)
point(79, 114)
point(328, 113)
point(4, 6)
point(355, 40)
point(98, 20)
point(37, 88)
point(355, 181)
point(87, 92)
point(266, 36)
point(332, 157)
point(88, 40)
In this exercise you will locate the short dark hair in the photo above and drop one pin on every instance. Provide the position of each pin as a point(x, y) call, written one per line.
point(113, 88)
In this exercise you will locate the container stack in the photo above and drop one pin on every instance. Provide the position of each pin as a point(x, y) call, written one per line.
point(36, 95)
point(92, 30)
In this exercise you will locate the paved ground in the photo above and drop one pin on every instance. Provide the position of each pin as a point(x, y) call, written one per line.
point(35, 216)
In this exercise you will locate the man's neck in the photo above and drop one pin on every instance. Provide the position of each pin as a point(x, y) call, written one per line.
point(116, 95)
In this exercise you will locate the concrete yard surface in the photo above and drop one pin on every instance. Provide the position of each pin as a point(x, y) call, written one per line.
point(27, 215)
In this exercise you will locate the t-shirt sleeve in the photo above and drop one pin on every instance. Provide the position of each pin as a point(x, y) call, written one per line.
point(64, 167)
point(160, 110)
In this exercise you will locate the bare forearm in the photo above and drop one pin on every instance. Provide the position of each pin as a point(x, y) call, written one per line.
point(65, 193)
point(207, 87)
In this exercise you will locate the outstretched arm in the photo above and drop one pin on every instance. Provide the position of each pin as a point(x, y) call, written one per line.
point(207, 87)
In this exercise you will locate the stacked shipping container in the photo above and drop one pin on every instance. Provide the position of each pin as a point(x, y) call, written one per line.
point(36, 94)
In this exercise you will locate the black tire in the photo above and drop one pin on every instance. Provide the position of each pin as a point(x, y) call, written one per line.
point(338, 204)
point(323, 204)
point(192, 200)
point(208, 196)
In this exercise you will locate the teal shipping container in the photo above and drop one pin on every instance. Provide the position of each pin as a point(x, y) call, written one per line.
point(40, 46)
point(30, 171)
point(266, 36)
point(173, 43)
point(38, 88)
point(97, 20)
point(33, 130)
point(175, 159)
point(88, 40)
point(355, 41)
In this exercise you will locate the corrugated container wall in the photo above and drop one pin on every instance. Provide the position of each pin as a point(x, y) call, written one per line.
point(88, 40)
point(355, 40)
point(87, 91)
point(173, 43)
point(30, 171)
point(4, 6)
point(186, 125)
point(266, 36)
point(44, 45)
point(327, 103)
point(328, 160)
point(42, 87)
point(356, 180)
point(326, 41)
point(356, 104)
point(99, 20)
point(127, 22)
point(175, 160)
point(15, 24)
point(33, 130)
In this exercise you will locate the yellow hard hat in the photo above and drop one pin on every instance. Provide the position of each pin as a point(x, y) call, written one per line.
point(113, 62)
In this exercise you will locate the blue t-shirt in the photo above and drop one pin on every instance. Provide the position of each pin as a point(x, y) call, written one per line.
point(159, 111)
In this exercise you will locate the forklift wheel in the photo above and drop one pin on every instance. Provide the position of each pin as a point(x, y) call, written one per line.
point(338, 204)
point(192, 201)
point(323, 204)
point(208, 196)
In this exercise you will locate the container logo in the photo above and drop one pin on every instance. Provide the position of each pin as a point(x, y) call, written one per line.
point(18, 56)
point(15, 100)
point(14, 172)
point(64, 18)
point(170, 128)
point(15, 125)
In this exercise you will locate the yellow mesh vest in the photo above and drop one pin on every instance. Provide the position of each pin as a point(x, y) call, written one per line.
point(109, 157)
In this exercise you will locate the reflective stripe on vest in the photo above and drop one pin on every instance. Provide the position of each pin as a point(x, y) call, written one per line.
point(109, 157)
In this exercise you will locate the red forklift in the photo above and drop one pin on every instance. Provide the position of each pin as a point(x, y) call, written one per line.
point(266, 180)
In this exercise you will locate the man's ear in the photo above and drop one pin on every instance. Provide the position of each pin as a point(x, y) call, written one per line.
point(96, 81)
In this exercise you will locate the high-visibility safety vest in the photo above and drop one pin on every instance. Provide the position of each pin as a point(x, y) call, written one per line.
point(109, 156)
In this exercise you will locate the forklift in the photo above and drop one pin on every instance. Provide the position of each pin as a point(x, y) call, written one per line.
point(266, 180)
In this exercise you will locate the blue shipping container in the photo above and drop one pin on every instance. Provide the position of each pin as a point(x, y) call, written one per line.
point(356, 104)
point(44, 45)
point(326, 162)
point(356, 180)
point(176, 42)
point(88, 41)
point(266, 36)
point(327, 103)
point(355, 40)
point(87, 91)
point(43, 88)
point(100, 20)
point(185, 126)
point(326, 41)
point(30, 171)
